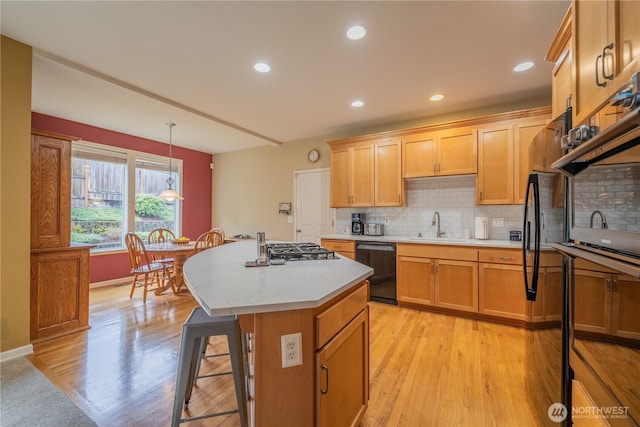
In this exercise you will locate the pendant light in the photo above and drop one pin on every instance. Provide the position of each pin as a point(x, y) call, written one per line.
point(169, 194)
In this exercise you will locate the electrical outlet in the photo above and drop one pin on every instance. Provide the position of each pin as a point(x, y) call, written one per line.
point(498, 222)
point(291, 349)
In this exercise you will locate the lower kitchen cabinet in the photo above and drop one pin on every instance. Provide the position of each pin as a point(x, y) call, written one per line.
point(548, 304)
point(502, 291)
point(607, 303)
point(343, 375)
point(414, 280)
point(593, 302)
point(457, 285)
point(436, 275)
point(331, 385)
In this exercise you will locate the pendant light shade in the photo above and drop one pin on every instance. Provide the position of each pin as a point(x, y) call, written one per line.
point(170, 194)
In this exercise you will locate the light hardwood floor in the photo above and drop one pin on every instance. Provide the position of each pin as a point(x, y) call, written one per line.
point(426, 369)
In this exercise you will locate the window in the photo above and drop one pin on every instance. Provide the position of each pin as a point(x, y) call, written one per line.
point(151, 211)
point(114, 191)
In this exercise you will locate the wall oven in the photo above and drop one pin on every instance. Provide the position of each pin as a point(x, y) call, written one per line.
point(603, 258)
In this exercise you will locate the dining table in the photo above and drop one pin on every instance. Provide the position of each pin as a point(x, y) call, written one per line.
point(179, 252)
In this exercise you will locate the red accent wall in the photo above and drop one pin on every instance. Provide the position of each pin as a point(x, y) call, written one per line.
point(196, 184)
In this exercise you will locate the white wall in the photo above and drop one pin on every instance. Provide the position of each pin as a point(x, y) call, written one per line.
point(249, 184)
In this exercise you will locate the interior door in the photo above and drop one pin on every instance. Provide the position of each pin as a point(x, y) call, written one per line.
point(313, 215)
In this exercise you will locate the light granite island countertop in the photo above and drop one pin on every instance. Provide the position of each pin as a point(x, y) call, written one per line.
point(222, 285)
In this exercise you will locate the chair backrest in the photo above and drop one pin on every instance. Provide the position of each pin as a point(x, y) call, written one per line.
point(219, 230)
point(209, 240)
point(137, 252)
point(160, 235)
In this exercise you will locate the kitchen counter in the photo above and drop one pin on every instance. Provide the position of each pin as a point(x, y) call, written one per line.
point(322, 302)
point(222, 285)
point(434, 241)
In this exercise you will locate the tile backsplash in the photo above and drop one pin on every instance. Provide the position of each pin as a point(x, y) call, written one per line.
point(454, 198)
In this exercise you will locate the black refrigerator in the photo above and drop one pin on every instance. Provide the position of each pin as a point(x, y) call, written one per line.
point(545, 222)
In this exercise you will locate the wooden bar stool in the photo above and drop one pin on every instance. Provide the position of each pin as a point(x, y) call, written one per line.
point(196, 330)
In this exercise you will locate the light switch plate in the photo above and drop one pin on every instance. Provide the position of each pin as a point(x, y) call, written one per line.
point(497, 222)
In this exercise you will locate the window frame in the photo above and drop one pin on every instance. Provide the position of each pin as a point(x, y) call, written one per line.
point(131, 158)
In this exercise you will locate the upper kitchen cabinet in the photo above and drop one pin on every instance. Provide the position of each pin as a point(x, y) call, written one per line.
point(503, 158)
point(448, 152)
point(494, 184)
point(389, 186)
point(560, 54)
point(352, 176)
point(366, 173)
point(606, 47)
point(523, 135)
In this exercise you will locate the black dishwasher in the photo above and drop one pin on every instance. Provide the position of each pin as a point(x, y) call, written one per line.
point(380, 256)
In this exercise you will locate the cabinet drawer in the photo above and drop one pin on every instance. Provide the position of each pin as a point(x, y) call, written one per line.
point(338, 245)
point(501, 256)
point(330, 321)
point(436, 251)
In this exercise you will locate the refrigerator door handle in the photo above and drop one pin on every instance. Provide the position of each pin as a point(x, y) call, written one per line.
point(531, 287)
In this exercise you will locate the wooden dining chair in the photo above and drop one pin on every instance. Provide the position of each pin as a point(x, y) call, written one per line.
point(210, 239)
point(148, 275)
point(219, 230)
point(161, 235)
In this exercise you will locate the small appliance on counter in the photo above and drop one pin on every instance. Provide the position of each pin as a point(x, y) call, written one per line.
point(482, 228)
point(372, 229)
point(357, 223)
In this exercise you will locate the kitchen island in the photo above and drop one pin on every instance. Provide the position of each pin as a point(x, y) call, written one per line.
point(325, 301)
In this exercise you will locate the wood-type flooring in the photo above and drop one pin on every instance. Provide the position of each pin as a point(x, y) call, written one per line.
point(426, 369)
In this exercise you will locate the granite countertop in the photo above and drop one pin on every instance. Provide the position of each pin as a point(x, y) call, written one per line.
point(222, 285)
point(434, 241)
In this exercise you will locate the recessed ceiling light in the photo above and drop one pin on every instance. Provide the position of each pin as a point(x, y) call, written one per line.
point(523, 66)
point(262, 67)
point(437, 97)
point(356, 32)
point(357, 103)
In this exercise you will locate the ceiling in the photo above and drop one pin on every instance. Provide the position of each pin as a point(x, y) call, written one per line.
point(132, 66)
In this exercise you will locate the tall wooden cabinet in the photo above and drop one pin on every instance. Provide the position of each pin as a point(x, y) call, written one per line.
point(59, 272)
point(606, 42)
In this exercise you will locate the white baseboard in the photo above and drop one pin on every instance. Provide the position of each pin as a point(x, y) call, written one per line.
point(111, 282)
point(16, 352)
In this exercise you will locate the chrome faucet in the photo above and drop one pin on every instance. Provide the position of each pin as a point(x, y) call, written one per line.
point(435, 222)
point(603, 223)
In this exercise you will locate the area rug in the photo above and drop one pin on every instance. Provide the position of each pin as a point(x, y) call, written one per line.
point(28, 398)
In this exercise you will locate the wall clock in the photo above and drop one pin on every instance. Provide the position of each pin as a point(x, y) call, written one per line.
point(313, 155)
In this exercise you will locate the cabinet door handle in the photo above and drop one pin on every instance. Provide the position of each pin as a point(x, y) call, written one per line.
point(326, 389)
point(506, 258)
point(615, 285)
point(598, 58)
point(608, 285)
point(604, 57)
